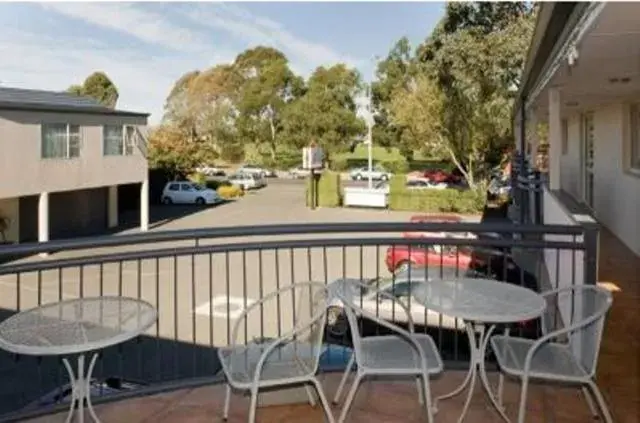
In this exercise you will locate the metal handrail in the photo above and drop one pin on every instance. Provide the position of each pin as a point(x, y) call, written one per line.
point(280, 230)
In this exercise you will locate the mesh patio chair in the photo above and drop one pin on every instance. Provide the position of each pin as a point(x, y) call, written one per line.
point(404, 353)
point(567, 352)
point(291, 359)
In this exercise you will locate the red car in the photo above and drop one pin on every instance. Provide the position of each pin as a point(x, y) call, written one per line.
point(399, 257)
point(440, 176)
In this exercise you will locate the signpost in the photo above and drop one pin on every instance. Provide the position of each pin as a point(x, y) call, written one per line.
point(312, 159)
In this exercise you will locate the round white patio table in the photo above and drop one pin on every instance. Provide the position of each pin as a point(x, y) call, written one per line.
point(479, 302)
point(75, 328)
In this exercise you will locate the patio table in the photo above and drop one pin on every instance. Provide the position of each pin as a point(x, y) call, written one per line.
point(479, 302)
point(75, 328)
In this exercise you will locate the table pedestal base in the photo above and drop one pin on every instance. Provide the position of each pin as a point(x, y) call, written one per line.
point(81, 388)
point(477, 345)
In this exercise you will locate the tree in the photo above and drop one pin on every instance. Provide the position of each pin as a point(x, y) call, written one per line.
point(169, 149)
point(475, 56)
point(326, 113)
point(100, 87)
point(392, 73)
point(267, 86)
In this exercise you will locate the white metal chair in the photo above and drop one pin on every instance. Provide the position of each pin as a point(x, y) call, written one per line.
point(565, 355)
point(292, 359)
point(403, 353)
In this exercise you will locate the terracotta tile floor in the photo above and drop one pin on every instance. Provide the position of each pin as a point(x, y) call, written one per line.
point(619, 365)
point(391, 402)
point(376, 402)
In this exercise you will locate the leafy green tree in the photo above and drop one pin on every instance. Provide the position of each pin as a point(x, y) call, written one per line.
point(267, 86)
point(326, 113)
point(99, 86)
point(392, 73)
point(475, 56)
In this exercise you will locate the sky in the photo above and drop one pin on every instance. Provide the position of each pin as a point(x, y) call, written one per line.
point(145, 47)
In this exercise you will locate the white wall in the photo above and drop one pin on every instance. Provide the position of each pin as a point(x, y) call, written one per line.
point(565, 267)
point(10, 208)
point(616, 193)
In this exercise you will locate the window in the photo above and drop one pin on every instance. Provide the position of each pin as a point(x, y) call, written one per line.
point(634, 147)
point(186, 187)
point(118, 140)
point(60, 140)
point(174, 187)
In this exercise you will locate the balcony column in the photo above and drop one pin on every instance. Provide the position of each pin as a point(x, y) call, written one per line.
point(112, 207)
point(555, 138)
point(144, 206)
point(43, 219)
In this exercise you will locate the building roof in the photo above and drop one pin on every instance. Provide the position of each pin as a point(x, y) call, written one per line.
point(551, 29)
point(52, 101)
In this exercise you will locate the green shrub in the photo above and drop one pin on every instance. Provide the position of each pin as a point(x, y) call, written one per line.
point(432, 200)
point(396, 165)
point(329, 190)
point(229, 191)
point(339, 163)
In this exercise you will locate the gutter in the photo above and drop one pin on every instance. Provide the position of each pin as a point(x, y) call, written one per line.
point(579, 23)
point(69, 109)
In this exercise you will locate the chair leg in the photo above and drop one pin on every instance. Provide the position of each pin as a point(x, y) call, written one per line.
point(523, 400)
point(254, 404)
point(420, 394)
point(350, 396)
point(501, 379)
point(347, 370)
point(427, 397)
point(323, 400)
point(589, 399)
point(227, 401)
point(601, 403)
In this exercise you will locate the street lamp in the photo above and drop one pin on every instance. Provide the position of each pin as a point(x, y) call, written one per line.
point(370, 123)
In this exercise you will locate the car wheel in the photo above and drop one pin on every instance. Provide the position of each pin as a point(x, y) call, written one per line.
point(358, 178)
point(167, 200)
point(403, 266)
point(200, 201)
point(384, 178)
point(336, 321)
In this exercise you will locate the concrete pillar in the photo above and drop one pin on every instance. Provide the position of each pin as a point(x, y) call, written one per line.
point(555, 138)
point(144, 206)
point(112, 207)
point(43, 218)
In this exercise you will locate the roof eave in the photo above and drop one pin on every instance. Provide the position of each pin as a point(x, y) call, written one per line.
point(77, 110)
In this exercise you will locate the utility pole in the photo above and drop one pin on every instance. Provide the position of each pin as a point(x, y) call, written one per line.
point(370, 123)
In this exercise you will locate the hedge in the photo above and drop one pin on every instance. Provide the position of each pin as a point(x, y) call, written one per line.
point(329, 190)
point(432, 200)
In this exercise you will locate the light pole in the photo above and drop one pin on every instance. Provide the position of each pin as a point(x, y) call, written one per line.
point(370, 123)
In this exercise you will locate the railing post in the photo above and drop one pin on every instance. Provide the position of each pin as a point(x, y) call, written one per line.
point(537, 197)
point(591, 252)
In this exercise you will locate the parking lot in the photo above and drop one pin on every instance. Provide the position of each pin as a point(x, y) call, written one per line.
point(200, 296)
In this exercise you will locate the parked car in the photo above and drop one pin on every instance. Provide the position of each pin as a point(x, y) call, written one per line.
point(255, 170)
point(185, 192)
point(211, 171)
point(441, 176)
point(362, 173)
point(419, 184)
point(434, 218)
point(247, 181)
point(487, 260)
point(399, 287)
point(299, 172)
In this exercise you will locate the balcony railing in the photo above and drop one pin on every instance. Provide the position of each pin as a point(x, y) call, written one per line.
point(200, 280)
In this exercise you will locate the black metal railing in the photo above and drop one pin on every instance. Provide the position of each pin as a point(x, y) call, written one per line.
point(200, 279)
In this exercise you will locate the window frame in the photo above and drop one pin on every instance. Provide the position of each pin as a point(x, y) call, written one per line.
point(128, 146)
point(632, 164)
point(68, 150)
